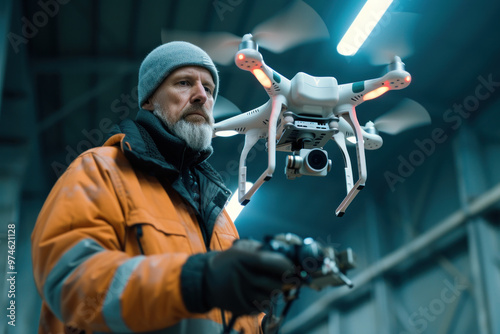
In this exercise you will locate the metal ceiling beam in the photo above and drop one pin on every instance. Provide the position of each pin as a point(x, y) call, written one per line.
point(319, 308)
point(85, 65)
point(76, 103)
point(5, 14)
point(89, 65)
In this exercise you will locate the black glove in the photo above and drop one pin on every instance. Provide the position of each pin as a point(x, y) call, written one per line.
point(240, 280)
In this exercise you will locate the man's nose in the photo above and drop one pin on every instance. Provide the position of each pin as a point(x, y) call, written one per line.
point(199, 94)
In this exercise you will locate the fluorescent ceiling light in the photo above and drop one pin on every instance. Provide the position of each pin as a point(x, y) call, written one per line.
point(234, 207)
point(362, 26)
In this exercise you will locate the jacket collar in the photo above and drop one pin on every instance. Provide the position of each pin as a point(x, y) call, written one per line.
point(148, 141)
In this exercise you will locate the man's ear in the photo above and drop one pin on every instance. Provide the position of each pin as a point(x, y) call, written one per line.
point(148, 105)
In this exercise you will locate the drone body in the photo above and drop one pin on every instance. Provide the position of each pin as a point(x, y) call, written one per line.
point(302, 115)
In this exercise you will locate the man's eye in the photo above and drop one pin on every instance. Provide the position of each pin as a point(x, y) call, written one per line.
point(183, 83)
point(208, 90)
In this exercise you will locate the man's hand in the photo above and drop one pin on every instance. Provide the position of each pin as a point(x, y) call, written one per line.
point(242, 277)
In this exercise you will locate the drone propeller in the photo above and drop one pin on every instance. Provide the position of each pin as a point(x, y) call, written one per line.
point(221, 46)
point(393, 37)
point(224, 108)
point(296, 25)
point(408, 114)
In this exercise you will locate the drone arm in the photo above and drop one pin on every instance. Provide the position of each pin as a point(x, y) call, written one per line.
point(251, 139)
point(244, 198)
point(339, 138)
point(352, 119)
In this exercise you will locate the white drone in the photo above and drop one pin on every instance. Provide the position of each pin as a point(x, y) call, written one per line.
point(304, 113)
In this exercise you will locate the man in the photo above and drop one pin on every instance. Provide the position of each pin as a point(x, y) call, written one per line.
point(134, 236)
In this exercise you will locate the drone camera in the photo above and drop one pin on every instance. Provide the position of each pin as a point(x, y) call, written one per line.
point(312, 162)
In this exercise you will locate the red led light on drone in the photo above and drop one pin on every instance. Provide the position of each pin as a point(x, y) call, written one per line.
point(407, 78)
point(241, 56)
point(375, 93)
point(262, 77)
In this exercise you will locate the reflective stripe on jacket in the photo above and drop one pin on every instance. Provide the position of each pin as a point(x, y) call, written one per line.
point(87, 258)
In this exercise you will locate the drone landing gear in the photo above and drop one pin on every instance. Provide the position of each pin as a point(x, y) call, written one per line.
point(352, 190)
point(251, 138)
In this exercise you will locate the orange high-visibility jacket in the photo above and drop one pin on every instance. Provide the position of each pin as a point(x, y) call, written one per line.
point(88, 263)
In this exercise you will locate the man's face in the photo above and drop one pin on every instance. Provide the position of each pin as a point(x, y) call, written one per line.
point(184, 102)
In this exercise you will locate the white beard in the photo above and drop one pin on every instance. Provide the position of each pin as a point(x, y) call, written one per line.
point(197, 136)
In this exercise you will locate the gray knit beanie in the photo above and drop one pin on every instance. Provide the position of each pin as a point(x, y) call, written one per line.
point(163, 60)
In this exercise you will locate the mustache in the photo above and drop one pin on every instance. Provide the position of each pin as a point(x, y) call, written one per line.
point(201, 110)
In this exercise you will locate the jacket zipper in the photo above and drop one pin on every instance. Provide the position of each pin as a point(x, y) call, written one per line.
point(138, 235)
